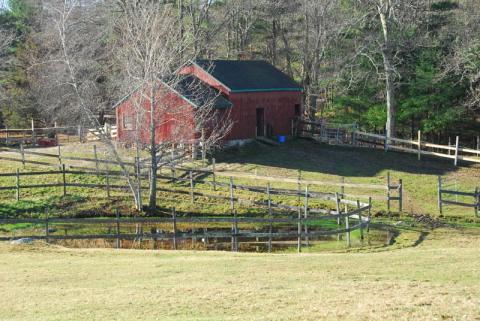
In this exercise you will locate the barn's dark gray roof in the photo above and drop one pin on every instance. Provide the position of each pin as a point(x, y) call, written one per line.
point(249, 75)
point(200, 94)
point(192, 89)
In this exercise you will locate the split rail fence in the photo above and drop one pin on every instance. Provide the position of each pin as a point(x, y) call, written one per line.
point(43, 135)
point(347, 134)
point(393, 190)
point(345, 210)
point(447, 191)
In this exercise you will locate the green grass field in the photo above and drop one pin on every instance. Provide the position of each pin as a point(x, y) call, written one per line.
point(436, 280)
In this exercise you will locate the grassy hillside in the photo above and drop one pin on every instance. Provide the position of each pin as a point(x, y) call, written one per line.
point(437, 280)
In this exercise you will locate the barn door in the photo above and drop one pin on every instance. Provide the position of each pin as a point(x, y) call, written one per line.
point(260, 122)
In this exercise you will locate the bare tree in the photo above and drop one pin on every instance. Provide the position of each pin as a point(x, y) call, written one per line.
point(86, 30)
point(241, 16)
point(464, 61)
point(151, 48)
point(322, 26)
point(66, 37)
point(387, 36)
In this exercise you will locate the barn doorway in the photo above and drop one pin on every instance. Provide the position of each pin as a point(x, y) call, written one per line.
point(260, 122)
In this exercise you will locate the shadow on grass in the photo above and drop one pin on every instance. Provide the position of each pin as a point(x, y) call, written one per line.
point(307, 155)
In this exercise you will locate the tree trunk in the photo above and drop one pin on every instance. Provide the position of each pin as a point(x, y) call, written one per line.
point(384, 12)
point(390, 91)
point(152, 203)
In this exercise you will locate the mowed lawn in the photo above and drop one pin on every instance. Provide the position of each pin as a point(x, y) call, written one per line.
point(437, 280)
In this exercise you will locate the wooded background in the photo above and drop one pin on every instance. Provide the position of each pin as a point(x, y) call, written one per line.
point(417, 61)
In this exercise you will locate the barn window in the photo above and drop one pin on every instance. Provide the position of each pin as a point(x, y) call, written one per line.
point(128, 122)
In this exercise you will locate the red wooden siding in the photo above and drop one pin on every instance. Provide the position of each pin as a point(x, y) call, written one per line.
point(174, 119)
point(279, 110)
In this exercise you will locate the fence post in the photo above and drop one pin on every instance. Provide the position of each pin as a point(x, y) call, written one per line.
point(419, 145)
point(117, 221)
point(204, 148)
point(47, 232)
point(22, 151)
point(59, 155)
point(477, 199)
point(299, 185)
point(17, 185)
point(192, 192)
point(385, 146)
point(457, 143)
point(347, 229)
point(64, 180)
point(107, 181)
point(96, 158)
point(449, 145)
point(235, 230)
point(271, 219)
point(79, 133)
point(305, 214)
point(337, 207)
point(214, 176)
point(139, 180)
point(6, 135)
point(299, 231)
point(174, 214)
point(369, 213)
point(174, 173)
point(194, 150)
point(400, 195)
point(440, 208)
point(388, 192)
point(360, 220)
point(342, 188)
point(232, 204)
point(34, 142)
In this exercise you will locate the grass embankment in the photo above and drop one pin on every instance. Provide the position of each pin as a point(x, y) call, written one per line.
point(437, 280)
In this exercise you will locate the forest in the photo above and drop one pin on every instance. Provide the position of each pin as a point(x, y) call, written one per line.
point(387, 65)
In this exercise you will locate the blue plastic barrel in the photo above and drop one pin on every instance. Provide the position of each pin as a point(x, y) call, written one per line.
point(281, 139)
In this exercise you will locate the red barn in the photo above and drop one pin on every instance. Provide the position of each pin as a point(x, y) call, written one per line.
point(260, 99)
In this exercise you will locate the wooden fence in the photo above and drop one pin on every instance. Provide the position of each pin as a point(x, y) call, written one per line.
point(347, 134)
point(445, 191)
point(65, 184)
point(38, 136)
point(419, 147)
point(393, 191)
point(361, 214)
